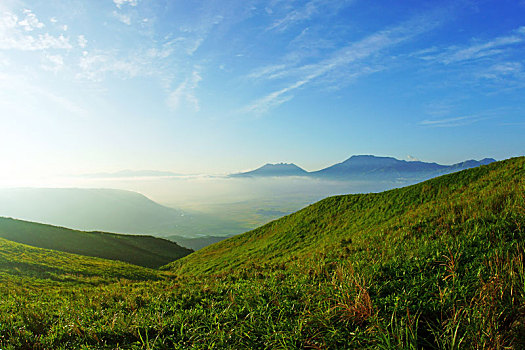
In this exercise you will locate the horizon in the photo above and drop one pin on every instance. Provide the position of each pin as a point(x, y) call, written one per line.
point(138, 175)
point(225, 87)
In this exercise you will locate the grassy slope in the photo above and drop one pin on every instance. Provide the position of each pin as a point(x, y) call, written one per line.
point(378, 225)
point(438, 265)
point(139, 250)
point(20, 262)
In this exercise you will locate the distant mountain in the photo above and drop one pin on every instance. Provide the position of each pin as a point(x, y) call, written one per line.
point(368, 167)
point(389, 168)
point(471, 164)
point(131, 173)
point(88, 209)
point(107, 210)
point(279, 169)
point(144, 251)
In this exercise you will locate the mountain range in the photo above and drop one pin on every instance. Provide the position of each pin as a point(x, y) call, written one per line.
point(367, 167)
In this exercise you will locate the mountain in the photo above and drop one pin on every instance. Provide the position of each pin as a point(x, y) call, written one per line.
point(87, 209)
point(389, 168)
point(131, 173)
point(107, 210)
point(35, 265)
point(381, 218)
point(369, 167)
point(279, 169)
point(145, 251)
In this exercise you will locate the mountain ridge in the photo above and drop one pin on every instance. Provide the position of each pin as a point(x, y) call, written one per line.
point(275, 169)
point(367, 167)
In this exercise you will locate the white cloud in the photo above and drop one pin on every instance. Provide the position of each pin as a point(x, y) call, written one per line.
point(412, 158)
point(185, 93)
point(82, 42)
point(14, 34)
point(126, 19)
point(31, 43)
point(30, 22)
point(119, 3)
point(53, 63)
point(95, 66)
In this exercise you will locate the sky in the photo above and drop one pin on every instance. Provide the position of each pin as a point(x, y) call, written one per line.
point(223, 86)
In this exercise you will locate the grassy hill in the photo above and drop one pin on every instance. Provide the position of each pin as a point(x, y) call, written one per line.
point(139, 250)
point(438, 265)
point(32, 265)
point(379, 226)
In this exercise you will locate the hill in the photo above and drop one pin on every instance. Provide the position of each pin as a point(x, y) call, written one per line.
point(20, 262)
point(279, 169)
point(107, 210)
point(363, 219)
point(87, 209)
point(145, 251)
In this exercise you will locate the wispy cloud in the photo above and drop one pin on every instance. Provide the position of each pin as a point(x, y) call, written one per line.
point(351, 54)
point(298, 14)
point(476, 50)
point(11, 82)
point(453, 122)
point(120, 3)
point(94, 66)
point(184, 93)
point(268, 72)
point(53, 63)
point(503, 70)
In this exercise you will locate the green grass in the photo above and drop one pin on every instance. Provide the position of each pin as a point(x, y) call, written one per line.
point(25, 265)
point(144, 251)
point(437, 265)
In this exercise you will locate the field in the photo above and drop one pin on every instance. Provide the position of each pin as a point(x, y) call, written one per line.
point(435, 265)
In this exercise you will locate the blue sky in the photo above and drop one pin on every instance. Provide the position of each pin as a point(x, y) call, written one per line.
point(221, 86)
